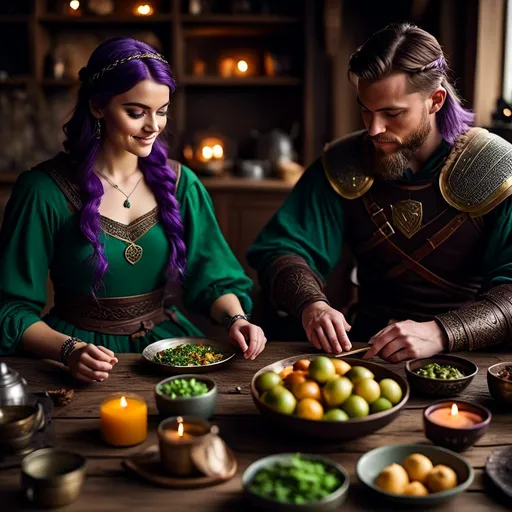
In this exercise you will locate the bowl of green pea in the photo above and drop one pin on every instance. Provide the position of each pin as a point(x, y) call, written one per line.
point(441, 375)
point(186, 395)
point(296, 482)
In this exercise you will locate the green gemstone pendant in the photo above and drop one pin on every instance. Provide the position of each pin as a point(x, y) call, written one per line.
point(127, 204)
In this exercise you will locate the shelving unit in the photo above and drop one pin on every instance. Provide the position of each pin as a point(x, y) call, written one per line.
point(183, 35)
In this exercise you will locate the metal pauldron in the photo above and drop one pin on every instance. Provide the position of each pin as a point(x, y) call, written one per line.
point(481, 324)
point(293, 285)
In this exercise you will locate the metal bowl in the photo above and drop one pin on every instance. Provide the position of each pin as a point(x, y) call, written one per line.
point(332, 430)
point(202, 406)
point(372, 463)
point(150, 352)
point(330, 503)
point(499, 388)
point(440, 387)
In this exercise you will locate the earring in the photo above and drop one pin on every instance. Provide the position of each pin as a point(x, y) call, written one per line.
point(97, 131)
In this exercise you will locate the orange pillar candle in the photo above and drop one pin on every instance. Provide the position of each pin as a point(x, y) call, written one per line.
point(124, 419)
point(453, 418)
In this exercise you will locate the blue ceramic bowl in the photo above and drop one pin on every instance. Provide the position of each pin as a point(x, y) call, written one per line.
point(372, 463)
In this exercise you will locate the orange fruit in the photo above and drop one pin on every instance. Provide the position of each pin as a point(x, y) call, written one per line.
point(285, 372)
point(341, 366)
point(309, 409)
point(294, 378)
point(307, 389)
point(302, 365)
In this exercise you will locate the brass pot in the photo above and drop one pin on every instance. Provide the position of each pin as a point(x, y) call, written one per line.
point(18, 423)
point(52, 477)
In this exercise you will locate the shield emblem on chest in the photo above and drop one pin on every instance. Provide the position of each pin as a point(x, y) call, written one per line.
point(407, 216)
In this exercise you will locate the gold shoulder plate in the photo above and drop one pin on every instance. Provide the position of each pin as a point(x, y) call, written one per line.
point(343, 165)
point(477, 175)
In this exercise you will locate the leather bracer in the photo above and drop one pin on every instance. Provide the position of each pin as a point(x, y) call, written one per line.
point(481, 324)
point(293, 284)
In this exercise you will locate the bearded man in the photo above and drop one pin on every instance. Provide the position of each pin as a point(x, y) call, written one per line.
point(423, 202)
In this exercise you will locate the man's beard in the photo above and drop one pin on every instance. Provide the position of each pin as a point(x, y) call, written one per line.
point(391, 166)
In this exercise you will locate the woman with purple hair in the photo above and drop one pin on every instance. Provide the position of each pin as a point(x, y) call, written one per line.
point(115, 221)
point(422, 199)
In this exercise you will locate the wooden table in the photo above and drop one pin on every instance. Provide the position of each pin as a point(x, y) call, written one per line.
point(110, 487)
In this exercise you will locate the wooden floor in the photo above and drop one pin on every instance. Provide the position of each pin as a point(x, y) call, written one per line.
point(110, 487)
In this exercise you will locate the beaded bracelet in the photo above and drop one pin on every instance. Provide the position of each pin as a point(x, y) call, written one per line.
point(230, 320)
point(67, 347)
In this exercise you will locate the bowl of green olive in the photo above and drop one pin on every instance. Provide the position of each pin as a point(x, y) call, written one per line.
point(186, 395)
point(441, 375)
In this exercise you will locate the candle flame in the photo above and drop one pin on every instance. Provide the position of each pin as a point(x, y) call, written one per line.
point(242, 66)
point(455, 410)
point(207, 152)
point(74, 4)
point(180, 429)
point(144, 10)
point(123, 402)
point(218, 152)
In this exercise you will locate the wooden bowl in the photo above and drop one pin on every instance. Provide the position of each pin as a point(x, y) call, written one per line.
point(440, 387)
point(499, 388)
point(332, 430)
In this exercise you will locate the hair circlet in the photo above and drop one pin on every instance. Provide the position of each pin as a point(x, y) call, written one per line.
point(84, 76)
point(439, 64)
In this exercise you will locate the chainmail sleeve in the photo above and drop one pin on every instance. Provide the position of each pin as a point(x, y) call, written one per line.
point(481, 324)
point(293, 285)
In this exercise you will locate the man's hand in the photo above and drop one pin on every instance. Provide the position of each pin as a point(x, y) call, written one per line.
point(326, 328)
point(407, 340)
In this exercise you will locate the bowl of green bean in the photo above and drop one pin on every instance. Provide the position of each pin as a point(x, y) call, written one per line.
point(441, 375)
point(186, 395)
point(296, 482)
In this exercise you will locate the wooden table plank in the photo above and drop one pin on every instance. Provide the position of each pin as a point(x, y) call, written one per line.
point(109, 486)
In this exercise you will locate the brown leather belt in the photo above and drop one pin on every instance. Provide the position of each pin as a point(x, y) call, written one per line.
point(131, 316)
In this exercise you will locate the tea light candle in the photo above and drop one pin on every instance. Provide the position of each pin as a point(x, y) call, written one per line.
point(124, 420)
point(452, 417)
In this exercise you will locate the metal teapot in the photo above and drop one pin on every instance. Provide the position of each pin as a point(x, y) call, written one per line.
point(13, 388)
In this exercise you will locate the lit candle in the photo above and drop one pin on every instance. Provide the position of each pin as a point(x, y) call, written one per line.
point(124, 420)
point(453, 418)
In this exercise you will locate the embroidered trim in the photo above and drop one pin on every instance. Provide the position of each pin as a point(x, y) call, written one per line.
point(133, 231)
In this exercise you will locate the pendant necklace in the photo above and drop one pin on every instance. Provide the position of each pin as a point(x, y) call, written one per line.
point(126, 203)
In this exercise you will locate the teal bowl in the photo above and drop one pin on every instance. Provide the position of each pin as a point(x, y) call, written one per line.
point(328, 504)
point(202, 406)
point(372, 463)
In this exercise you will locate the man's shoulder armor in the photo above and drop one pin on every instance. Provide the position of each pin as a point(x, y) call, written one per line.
point(477, 175)
point(343, 165)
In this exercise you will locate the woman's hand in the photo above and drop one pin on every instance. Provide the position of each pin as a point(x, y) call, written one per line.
point(326, 328)
point(90, 363)
point(242, 331)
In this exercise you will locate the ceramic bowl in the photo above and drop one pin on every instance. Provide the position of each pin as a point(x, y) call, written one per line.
point(328, 504)
point(439, 387)
point(202, 406)
point(499, 388)
point(372, 463)
point(332, 430)
point(52, 478)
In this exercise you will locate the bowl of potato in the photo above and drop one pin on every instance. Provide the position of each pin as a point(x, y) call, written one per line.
point(328, 398)
point(414, 474)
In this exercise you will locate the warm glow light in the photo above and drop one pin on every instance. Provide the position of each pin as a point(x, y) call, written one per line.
point(74, 4)
point(455, 410)
point(218, 152)
point(507, 112)
point(207, 152)
point(123, 402)
point(180, 429)
point(144, 10)
point(242, 66)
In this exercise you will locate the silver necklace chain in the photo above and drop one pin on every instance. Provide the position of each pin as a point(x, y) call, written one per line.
point(126, 203)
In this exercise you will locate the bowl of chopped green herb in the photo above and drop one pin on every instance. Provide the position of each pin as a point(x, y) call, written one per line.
point(296, 482)
point(186, 395)
point(188, 355)
point(441, 375)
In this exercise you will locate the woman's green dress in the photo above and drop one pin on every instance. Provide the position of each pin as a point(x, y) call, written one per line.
point(40, 231)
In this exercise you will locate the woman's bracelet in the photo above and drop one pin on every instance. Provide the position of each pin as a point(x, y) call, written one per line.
point(67, 347)
point(230, 320)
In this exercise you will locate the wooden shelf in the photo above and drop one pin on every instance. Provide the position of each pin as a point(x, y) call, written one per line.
point(5, 18)
point(238, 183)
point(249, 81)
point(14, 82)
point(55, 18)
point(8, 177)
point(239, 19)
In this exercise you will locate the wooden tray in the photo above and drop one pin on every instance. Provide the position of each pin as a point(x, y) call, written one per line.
point(147, 465)
point(499, 469)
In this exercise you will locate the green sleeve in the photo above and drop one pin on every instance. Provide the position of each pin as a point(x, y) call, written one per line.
point(212, 269)
point(26, 250)
point(498, 254)
point(309, 224)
